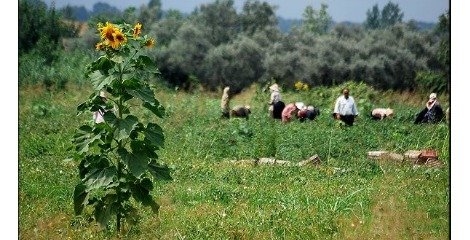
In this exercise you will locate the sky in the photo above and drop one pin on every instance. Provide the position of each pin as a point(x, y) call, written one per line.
point(339, 10)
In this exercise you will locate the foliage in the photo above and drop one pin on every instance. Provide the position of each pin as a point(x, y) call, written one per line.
point(443, 54)
point(220, 21)
point(151, 13)
point(256, 16)
point(118, 157)
point(373, 18)
point(236, 64)
point(434, 82)
point(166, 29)
point(190, 47)
point(66, 69)
point(41, 29)
point(390, 15)
point(316, 22)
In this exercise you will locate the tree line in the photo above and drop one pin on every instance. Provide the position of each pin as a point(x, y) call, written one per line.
point(215, 46)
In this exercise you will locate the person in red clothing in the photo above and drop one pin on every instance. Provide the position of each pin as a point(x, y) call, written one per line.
point(290, 110)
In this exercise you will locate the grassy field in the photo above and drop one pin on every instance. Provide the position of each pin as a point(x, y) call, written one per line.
point(347, 196)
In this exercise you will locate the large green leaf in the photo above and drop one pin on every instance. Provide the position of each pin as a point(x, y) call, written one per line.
point(141, 192)
point(147, 62)
point(83, 107)
point(102, 63)
point(84, 139)
point(144, 93)
point(156, 108)
point(159, 171)
point(117, 59)
point(103, 213)
point(80, 198)
point(99, 81)
point(144, 148)
point(136, 162)
point(98, 178)
point(90, 162)
point(154, 135)
point(131, 82)
point(125, 126)
point(109, 117)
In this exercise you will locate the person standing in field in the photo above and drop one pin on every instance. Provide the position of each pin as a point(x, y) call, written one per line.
point(345, 108)
point(276, 105)
point(224, 103)
point(432, 113)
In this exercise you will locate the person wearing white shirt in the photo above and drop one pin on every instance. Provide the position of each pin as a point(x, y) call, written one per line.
point(345, 108)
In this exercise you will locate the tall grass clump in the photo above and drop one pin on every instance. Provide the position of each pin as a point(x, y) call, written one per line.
point(68, 68)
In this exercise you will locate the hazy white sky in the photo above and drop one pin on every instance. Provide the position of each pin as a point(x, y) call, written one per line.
point(340, 10)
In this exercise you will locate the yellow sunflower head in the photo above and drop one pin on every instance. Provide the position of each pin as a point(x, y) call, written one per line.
point(118, 39)
point(150, 42)
point(107, 31)
point(137, 30)
point(100, 46)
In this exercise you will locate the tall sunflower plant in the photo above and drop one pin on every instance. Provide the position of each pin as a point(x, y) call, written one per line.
point(118, 155)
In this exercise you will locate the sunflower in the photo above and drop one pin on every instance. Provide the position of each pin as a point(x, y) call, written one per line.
point(100, 46)
point(118, 39)
point(107, 31)
point(150, 42)
point(137, 30)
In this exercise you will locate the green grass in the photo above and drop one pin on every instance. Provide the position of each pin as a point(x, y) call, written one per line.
point(347, 197)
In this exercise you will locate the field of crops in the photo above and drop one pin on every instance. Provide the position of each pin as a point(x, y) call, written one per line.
point(347, 196)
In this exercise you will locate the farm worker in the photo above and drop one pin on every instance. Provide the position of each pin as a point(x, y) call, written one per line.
point(276, 105)
point(224, 103)
point(288, 111)
point(345, 108)
point(381, 113)
point(98, 115)
point(432, 113)
point(240, 111)
point(309, 112)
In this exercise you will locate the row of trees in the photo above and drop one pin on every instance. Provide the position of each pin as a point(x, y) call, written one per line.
point(215, 46)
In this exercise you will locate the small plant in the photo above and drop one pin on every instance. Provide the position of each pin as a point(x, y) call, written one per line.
point(118, 156)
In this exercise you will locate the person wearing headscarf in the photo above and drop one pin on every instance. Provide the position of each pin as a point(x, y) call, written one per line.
point(240, 111)
point(345, 108)
point(224, 103)
point(308, 112)
point(290, 110)
point(432, 113)
point(276, 105)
